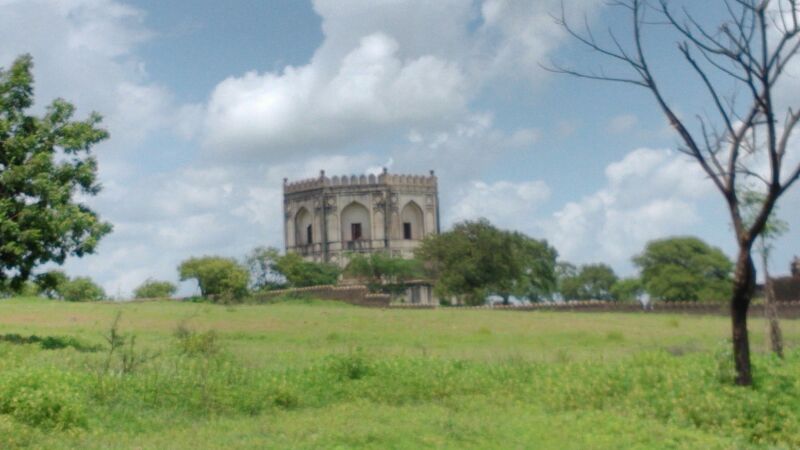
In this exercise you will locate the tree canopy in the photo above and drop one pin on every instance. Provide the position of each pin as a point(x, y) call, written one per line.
point(154, 289)
point(301, 273)
point(591, 282)
point(684, 269)
point(218, 277)
point(476, 259)
point(384, 272)
point(45, 162)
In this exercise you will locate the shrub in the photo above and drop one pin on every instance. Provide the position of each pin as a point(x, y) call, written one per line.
point(44, 398)
point(219, 278)
point(352, 366)
point(301, 273)
point(194, 343)
point(81, 289)
point(154, 289)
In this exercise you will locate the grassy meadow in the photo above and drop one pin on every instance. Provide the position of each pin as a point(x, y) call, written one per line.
point(312, 374)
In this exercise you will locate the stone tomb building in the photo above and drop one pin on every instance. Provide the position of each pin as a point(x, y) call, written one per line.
point(327, 218)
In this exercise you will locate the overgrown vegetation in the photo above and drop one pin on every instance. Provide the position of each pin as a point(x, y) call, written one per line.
point(198, 375)
point(382, 272)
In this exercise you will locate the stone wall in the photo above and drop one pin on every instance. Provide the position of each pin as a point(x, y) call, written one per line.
point(786, 310)
point(354, 294)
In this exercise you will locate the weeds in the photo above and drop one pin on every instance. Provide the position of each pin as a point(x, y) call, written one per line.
point(193, 343)
point(122, 349)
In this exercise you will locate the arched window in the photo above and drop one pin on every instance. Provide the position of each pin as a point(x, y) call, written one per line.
point(413, 225)
point(303, 227)
point(355, 223)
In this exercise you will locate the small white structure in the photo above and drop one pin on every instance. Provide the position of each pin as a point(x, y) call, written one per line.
point(326, 218)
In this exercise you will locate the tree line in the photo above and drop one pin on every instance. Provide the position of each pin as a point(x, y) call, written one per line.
point(468, 264)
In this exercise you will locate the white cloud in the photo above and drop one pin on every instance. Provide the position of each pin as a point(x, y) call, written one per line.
point(649, 194)
point(372, 89)
point(384, 66)
point(161, 219)
point(84, 51)
point(507, 204)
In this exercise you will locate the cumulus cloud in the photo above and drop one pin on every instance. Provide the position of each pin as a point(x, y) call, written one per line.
point(462, 151)
point(84, 51)
point(372, 89)
point(383, 66)
point(508, 204)
point(161, 219)
point(648, 194)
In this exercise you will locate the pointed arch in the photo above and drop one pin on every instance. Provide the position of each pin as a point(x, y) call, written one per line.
point(356, 223)
point(413, 221)
point(303, 227)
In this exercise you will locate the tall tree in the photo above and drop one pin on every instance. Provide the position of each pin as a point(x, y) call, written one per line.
point(684, 269)
point(45, 162)
point(745, 53)
point(476, 259)
point(591, 282)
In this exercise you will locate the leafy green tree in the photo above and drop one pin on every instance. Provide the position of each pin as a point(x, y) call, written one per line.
point(627, 289)
point(684, 269)
point(384, 272)
point(219, 278)
point(476, 259)
point(264, 275)
point(50, 282)
point(81, 289)
point(301, 273)
point(591, 282)
point(155, 289)
point(45, 162)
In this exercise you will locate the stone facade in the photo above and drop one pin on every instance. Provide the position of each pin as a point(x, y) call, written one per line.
point(327, 218)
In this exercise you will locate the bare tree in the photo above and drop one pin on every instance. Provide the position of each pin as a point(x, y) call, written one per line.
point(749, 49)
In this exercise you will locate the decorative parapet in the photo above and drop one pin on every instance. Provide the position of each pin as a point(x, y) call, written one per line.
point(383, 179)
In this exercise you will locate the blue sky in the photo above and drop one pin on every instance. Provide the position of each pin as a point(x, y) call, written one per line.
point(210, 104)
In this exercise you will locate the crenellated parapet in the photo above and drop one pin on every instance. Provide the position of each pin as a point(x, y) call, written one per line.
point(383, 179)
point(330, 218)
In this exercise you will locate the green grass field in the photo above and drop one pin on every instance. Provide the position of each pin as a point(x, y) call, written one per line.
point(306, 374)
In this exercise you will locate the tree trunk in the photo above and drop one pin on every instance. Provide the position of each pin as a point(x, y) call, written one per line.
point(743, 284)
point(771, 311)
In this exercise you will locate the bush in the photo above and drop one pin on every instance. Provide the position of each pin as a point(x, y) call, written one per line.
point(194, 343)
point(219, 278)
point(155, 289)
point(81, 289)
point(300, 273)
point(42, 398)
